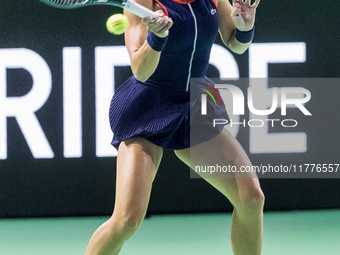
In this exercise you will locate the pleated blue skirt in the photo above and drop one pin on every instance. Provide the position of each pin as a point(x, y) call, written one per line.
point(166, 117)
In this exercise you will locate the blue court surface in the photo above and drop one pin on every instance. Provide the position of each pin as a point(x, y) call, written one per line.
point(285, 233)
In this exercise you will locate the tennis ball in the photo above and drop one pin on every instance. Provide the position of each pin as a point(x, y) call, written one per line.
point(117, 24)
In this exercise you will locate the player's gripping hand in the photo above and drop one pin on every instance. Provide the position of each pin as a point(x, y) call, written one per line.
point(243, 14)
point(159, 26)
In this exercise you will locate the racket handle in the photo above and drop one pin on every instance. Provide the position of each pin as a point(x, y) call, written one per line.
point(139, 10)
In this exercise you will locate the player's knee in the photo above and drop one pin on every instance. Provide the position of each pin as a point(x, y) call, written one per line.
point(125, 225)
point(252, 201)
point(131, 223)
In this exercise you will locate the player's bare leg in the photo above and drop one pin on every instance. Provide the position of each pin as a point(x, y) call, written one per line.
point(244, 193)
point(137, 164)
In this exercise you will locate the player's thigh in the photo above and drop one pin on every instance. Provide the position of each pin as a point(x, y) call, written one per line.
point(224, 151)
point(137, 164)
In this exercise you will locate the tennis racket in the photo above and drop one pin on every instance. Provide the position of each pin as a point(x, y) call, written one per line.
point(129, 5)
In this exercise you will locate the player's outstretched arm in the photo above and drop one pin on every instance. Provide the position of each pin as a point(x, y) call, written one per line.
point(144, 58)
point(237, 23)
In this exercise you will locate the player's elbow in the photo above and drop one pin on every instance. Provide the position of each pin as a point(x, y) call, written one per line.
point(141, 79)
point(142, 72)
point(141, 76)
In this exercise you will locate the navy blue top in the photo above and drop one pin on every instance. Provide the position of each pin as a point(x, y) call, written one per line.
point(163, 110)
point(186, 54)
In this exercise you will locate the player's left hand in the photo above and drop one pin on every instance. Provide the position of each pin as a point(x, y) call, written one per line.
point(243, 14)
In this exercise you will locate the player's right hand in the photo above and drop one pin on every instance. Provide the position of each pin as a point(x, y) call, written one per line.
point(159, 26)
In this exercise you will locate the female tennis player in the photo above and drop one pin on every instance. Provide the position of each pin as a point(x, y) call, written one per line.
point(150, 112)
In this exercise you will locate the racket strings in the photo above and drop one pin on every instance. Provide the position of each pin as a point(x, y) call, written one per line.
point(66, 2)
